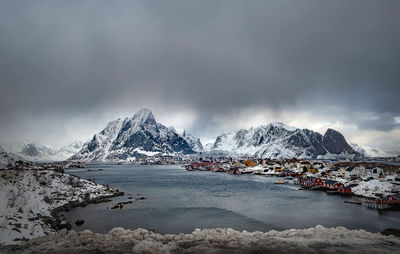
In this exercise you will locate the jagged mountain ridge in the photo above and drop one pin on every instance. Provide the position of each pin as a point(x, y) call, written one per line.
point(133, 138)
point(277, 140)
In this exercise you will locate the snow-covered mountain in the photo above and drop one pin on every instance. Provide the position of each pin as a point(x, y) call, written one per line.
point(207, 147)
point(69, 150)
point(368, 151)
point(194, 142)
point(277, 140)
point(39, 152)
point(133, 138)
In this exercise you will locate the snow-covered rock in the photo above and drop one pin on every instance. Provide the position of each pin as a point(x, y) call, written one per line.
point(219, 240)
point(132, 138)
point(26, 196)
point(277, 140)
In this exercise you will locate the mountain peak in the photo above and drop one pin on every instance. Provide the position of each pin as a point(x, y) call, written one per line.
point(282, 125)
point(144, 115)
point(329, 130)
point(334, 142)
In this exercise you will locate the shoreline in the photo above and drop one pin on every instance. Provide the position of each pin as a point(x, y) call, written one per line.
point(31, 202)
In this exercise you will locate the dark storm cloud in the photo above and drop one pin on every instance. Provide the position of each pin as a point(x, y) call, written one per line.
point(62, 60)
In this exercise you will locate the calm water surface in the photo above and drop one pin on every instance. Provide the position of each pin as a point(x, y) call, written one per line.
point(181, 201)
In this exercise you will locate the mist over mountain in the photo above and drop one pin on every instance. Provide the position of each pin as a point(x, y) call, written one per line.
point(42, 153)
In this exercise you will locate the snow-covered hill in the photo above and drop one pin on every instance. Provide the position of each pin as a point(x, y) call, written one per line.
point(133, 138)
point(277, 140)
point(42, 153)
point(28, 196)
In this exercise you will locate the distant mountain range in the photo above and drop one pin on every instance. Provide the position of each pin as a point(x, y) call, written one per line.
point(277, 140)
point(141, 136)
point(39, 152)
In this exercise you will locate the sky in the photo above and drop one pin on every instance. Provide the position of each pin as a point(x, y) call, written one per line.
point(67, 68)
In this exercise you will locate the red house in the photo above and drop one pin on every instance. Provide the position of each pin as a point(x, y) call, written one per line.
point(344, 190)
point(393, 199)
point(332, 185)
point(319, 182)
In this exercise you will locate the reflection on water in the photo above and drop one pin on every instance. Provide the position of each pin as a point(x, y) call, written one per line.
point(181, 201)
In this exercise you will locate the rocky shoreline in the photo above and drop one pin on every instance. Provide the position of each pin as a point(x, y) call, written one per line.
point(58, 223)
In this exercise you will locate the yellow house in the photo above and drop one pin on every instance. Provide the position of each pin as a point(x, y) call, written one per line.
point(250, 163)
point(312, 170)
point(278, 169)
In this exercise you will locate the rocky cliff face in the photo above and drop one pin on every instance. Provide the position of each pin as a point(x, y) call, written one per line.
point(133, 138)
point(335, 143)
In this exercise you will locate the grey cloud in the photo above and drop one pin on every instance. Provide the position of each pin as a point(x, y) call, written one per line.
point(72, 59)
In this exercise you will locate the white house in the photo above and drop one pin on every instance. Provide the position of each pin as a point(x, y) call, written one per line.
point(374, 172)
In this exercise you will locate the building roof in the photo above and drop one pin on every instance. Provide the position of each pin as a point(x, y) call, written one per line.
point(396, 196)
point(330, 182)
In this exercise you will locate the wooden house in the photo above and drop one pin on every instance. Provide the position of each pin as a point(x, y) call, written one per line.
point(332, 185)
point(345, 190)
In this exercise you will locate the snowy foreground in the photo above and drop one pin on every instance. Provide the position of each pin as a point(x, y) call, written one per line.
point(27, 198)
point(119, 240)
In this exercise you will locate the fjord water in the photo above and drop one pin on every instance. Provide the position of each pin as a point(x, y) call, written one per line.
point(179, 201)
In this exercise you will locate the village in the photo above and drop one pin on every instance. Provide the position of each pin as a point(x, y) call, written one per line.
point(373, 185)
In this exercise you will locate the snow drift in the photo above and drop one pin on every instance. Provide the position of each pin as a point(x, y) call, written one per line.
point(220, 240)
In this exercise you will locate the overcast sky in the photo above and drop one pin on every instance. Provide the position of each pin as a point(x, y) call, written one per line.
point(69, 67)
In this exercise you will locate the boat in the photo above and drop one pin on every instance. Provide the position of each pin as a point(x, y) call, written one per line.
point(189, 168)
point(281, 182)
point(332, 192)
